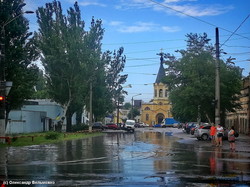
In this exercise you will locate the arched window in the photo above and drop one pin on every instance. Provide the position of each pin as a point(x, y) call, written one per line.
point(147, 117)
point(155, 93)
point(160, 93)
point(166, 93)
point(147, 108)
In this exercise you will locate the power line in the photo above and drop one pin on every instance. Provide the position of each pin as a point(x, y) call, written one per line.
point(236, 29)
point(141, 58)
point(141, 73)
point(237, 46)
point(206, 22)
point(142, 65)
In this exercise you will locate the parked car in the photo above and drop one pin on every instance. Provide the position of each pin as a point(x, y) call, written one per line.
point(111, 126)
point(157, 125)
point(202, 132)
point(98, 125)
point(145, 125)
point(129, 125)
point(197, 126)
point(189, 126)
point(138, 125)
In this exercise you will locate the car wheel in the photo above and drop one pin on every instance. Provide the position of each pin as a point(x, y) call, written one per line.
point(204, 137)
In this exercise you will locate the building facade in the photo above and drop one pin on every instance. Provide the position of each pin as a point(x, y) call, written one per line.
point(241, 118)
point(159, 107)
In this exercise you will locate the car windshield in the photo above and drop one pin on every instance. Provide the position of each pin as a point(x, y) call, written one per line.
point(129, 123)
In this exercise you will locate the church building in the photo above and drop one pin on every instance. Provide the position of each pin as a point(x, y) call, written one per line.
point(159, 107)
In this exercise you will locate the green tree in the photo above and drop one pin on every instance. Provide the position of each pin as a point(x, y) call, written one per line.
point(114, 78)
point(127, 106)
point(41, 91)
point(73, 61)
point(191, 80)
point(135, 113)
point(18, 52)
point(61, 42)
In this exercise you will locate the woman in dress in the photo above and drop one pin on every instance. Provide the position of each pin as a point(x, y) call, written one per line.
point(231, 139)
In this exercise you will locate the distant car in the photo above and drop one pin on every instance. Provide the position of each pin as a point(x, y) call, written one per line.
point(129, 125)
point(202, 132)
point(111, 126)
point(145, 125)
point(157, 125)
point(138, 125)
point(98, 125)
point(189, 126)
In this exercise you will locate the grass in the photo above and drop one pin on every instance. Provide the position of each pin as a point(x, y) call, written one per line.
point(40, 138)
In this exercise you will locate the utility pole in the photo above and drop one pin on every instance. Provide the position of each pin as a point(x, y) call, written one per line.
point(217, 78)
point(90, 106)
point(132, 107)
point(118, 112)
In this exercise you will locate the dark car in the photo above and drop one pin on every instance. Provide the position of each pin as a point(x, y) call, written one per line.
point(189, 126)
point(111, 126)
point(98, 125)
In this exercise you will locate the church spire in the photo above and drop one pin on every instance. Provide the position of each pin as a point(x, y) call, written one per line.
point(161, 72)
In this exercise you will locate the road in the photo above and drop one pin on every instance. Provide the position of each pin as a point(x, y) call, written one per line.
point(148, 157)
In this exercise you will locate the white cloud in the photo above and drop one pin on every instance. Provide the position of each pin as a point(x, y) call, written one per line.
point(115, 23)
point(142, 27)
point(185, 6)
point(171, 29)
point(198, 10)
point(91, 3)
point(138, 27)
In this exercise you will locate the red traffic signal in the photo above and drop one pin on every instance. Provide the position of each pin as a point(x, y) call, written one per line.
point(1, 98)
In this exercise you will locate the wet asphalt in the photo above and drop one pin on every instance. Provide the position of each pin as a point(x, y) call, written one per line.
point(148, 157)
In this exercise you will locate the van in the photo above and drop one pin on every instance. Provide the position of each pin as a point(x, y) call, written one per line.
point(130, 125)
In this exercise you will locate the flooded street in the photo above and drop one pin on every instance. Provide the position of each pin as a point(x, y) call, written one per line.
point(143, 158)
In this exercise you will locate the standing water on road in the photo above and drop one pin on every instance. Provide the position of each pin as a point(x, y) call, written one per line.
point(143, 158)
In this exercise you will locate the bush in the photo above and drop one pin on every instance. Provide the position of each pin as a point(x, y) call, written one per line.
point(52, 135)
point(79, 127)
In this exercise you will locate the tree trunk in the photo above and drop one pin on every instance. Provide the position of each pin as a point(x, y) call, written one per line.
point(68, 121)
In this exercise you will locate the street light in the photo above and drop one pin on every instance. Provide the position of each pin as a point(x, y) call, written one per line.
point(5, 86)
point(117, 111)
point(133, 104)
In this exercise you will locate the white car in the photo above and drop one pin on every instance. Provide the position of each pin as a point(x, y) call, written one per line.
point(130, 125)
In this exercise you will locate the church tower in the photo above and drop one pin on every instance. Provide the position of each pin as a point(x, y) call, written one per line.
point(159, 108)
point(160, 89)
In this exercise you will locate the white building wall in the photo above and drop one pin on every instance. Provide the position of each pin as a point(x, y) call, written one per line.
point(24, 122)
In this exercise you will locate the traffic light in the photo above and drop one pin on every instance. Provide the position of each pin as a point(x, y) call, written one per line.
point(2, 105)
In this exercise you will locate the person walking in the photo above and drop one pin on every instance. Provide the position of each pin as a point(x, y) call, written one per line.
point(212, 134)
point(219, 132)
point(231, 138)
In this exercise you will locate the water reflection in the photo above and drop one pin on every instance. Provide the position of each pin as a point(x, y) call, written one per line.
point(129, 159)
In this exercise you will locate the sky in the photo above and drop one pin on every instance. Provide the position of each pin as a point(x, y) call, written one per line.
point(144, 28)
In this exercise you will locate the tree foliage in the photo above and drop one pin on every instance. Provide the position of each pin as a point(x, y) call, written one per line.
point(60, 40)
point(19, 49)
point(73, 61)
point(191, 80)
point(135, 113)
point(115, 64)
